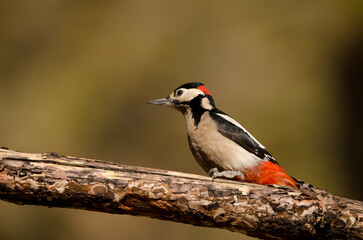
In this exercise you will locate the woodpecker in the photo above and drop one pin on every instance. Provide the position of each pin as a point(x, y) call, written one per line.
point(220, 145)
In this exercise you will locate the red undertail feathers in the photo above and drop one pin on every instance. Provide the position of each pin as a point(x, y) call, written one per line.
point(268, 173)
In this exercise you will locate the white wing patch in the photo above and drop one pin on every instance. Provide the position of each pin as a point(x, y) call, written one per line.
point(234, 122)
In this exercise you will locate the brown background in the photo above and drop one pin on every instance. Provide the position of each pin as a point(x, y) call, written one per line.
point(75, 77)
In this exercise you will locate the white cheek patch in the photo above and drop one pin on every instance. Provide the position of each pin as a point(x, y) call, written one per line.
point(187, 95)
point(206, 104)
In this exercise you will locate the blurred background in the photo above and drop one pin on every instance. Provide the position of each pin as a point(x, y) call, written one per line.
point(75, 77)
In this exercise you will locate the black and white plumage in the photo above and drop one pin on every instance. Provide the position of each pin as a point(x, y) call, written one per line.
point(221, 146)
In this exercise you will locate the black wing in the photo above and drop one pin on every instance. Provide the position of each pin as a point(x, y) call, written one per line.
point(240, 136)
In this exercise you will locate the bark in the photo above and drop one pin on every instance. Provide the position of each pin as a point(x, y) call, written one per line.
point(267, 212)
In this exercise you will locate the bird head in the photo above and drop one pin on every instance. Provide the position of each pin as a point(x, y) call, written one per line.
point(189, 96)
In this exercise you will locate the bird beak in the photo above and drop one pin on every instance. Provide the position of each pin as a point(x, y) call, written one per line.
point(161, 101)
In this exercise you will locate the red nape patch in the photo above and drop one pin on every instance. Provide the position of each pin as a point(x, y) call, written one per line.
point(204, 90)
point(269, 173)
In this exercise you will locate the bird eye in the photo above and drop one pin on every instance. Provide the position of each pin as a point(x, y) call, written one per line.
point(179, 92)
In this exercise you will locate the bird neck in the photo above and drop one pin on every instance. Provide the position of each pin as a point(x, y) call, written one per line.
point(196, 108)
point(193, 116)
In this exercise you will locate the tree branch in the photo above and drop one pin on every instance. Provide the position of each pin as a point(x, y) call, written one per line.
point(268, 212)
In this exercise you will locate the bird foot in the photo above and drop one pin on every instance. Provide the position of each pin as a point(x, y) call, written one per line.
point(214, 173)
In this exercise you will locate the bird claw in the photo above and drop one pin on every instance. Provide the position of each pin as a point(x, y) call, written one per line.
point(214, 173)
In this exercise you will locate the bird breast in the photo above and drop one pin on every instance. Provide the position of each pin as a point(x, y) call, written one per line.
point(211, 149)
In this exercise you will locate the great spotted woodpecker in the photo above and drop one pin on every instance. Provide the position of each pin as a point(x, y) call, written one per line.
point(221, 146)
